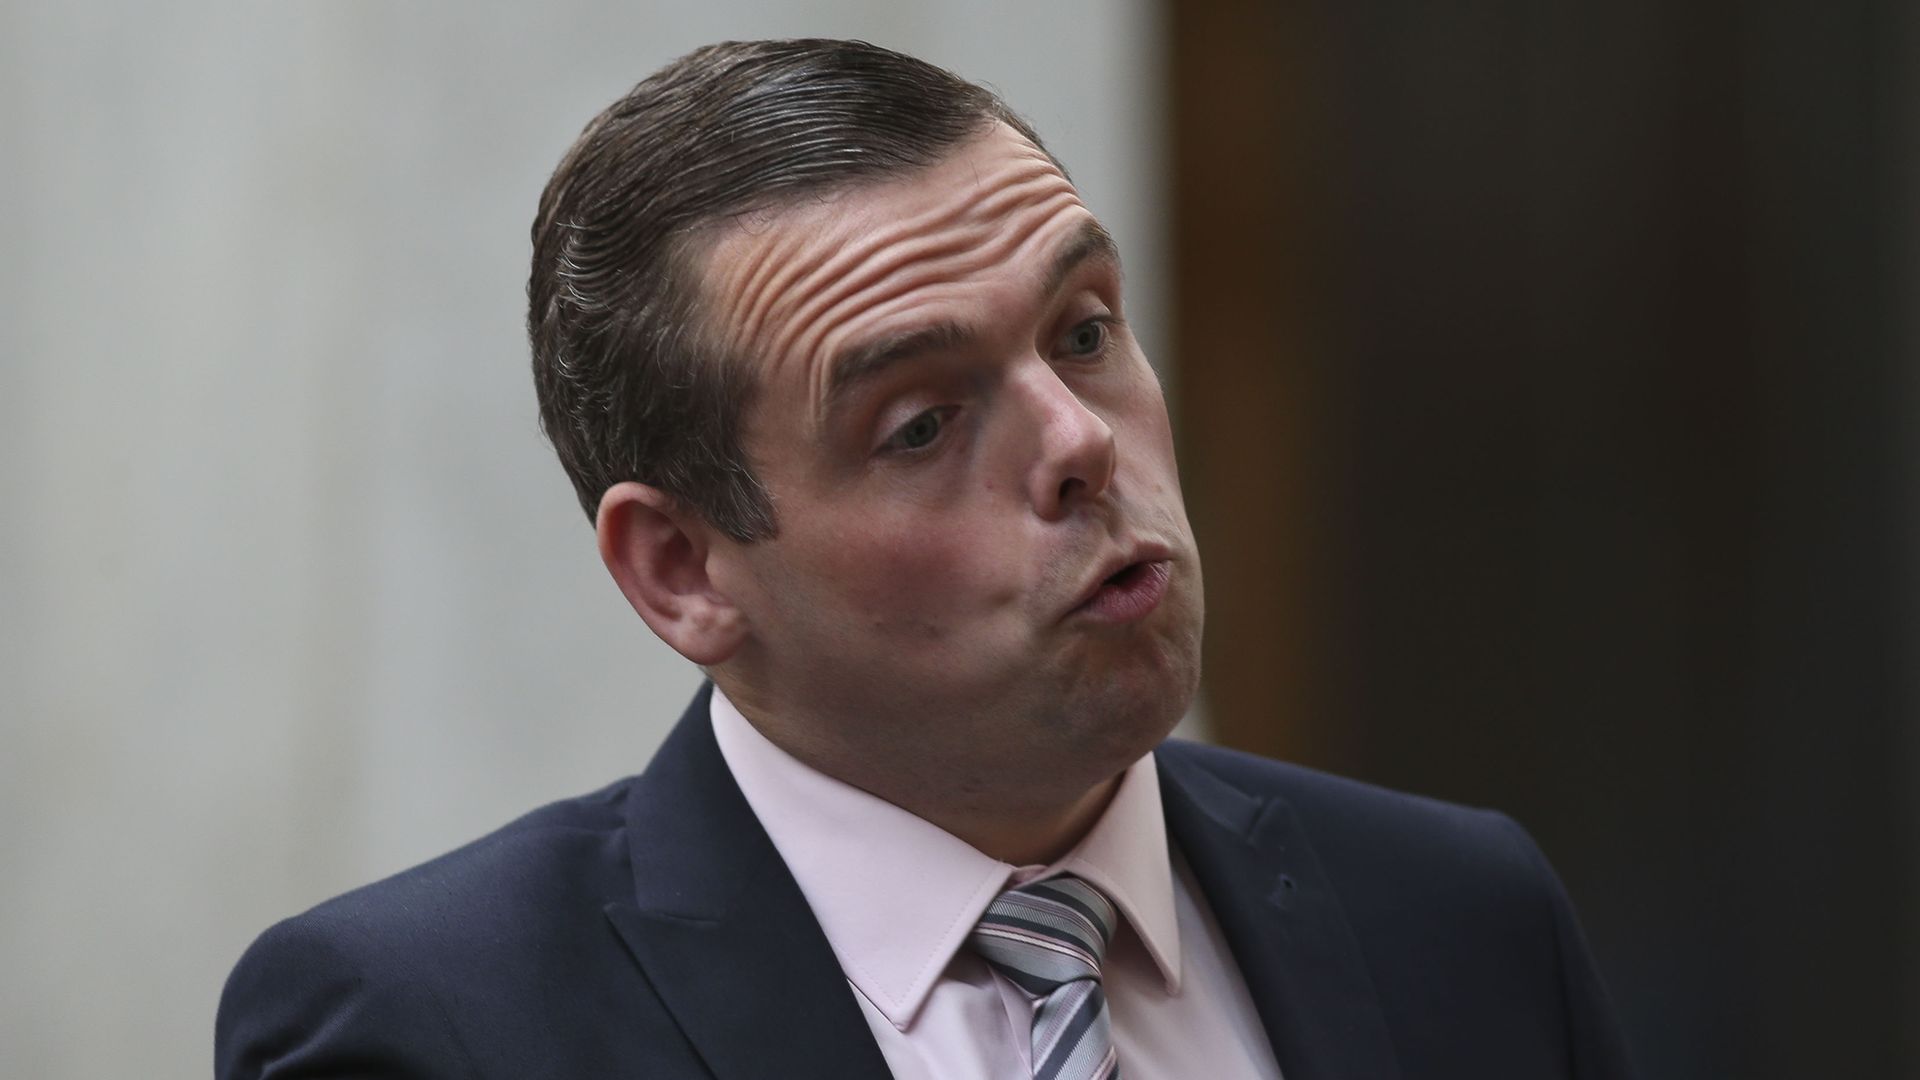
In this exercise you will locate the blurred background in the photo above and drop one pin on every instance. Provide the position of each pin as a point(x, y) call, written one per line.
point(1544, 374)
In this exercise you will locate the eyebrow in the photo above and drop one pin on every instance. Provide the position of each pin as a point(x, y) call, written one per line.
point(861, 363)
point(1092, 242)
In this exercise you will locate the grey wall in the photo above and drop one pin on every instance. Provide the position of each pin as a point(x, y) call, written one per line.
point(292, 594)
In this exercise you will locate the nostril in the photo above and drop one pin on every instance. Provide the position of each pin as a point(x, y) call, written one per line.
point(1070, 488)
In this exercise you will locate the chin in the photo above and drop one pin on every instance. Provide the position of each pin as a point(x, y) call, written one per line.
point(1126, 711)
point(1160, 682)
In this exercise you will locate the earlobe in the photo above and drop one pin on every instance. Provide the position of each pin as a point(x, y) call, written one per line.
point(657, 552)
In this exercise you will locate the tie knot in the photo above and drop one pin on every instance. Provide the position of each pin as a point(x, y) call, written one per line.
point(1046, 933)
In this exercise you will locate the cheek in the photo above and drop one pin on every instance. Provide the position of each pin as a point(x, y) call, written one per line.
point(1144, 432)
point(927, 579)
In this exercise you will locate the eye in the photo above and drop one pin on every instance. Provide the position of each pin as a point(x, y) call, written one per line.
point(920, 431)
point(1087, 339)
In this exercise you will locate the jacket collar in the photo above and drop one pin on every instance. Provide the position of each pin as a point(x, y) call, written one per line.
point(725, 938)
point(722, 933)
point(1284, 921)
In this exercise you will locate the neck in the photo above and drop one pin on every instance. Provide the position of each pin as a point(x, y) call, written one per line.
point(1022, 824)
point(1027, 837)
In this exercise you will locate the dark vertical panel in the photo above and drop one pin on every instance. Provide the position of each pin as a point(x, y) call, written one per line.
point(1645, 490)
point(1245, 298)
point(1831, 790)
point(1590, 488)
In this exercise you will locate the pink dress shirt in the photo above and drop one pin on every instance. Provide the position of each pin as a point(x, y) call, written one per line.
point(897, 896)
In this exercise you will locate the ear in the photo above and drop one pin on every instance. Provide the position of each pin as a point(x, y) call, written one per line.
point(657, 553)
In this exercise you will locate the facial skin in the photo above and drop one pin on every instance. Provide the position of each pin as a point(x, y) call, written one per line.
point(961, 438)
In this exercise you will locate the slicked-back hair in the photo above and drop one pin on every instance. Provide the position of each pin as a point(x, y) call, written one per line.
point(631, 386)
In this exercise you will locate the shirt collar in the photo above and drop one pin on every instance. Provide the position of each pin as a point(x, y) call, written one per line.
point(897, 895)
point(1124, 855)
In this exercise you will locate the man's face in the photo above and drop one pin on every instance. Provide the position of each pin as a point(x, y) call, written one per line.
point(962, 441)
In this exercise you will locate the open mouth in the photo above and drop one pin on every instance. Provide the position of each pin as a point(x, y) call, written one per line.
point(1130, 593)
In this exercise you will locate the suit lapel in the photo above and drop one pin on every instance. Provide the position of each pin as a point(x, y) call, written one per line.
point(721, 931)
point(1284, 921)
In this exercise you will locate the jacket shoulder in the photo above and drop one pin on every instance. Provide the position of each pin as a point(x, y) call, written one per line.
point(1394, 855)
point(377, 974)
point(561, 855)
point(1339, 802)
point(1436, 893)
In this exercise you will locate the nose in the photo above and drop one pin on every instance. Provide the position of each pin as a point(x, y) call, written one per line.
point(1075, 460)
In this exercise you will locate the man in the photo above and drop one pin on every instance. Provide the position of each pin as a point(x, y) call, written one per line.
point(837, 361)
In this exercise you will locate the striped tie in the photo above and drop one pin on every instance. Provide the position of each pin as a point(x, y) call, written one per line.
point(1048, 937)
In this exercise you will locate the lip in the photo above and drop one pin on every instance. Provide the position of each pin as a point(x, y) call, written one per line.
point(1144, 572)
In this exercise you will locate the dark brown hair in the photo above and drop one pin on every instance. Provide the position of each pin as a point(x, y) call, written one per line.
point(629, 388)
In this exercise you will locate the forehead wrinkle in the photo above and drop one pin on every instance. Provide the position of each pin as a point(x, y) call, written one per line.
point(827, 336)
point(876, 257)
point(741, 284)
point(795, 279)
point(1039, 182)
point(893, 267)
point(776, 268)
point(879, 253)
point(771, 269)
point(785, 270)
point(1019, 159)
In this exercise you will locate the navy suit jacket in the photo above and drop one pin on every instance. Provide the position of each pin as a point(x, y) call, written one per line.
point(651, 930)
